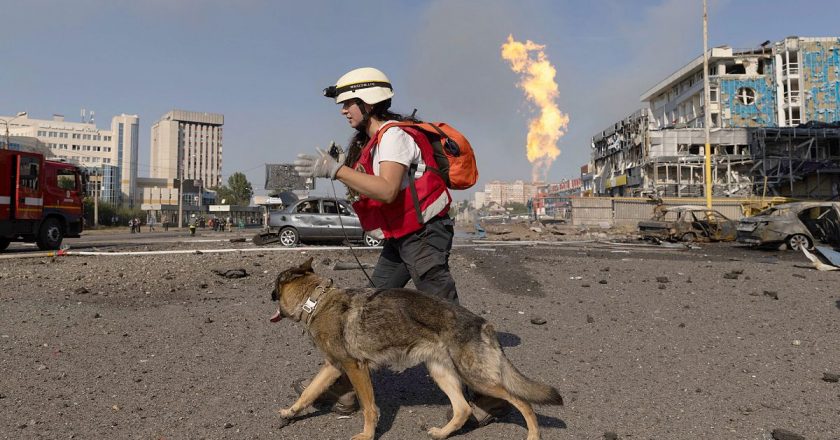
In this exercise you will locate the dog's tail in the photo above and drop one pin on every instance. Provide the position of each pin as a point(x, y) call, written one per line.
point(527, 389)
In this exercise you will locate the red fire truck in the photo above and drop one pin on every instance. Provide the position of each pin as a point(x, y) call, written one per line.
point(40, 200)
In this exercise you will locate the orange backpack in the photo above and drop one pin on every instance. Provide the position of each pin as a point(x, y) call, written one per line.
point(454, 155)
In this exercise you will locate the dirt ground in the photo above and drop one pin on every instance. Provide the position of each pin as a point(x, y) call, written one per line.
point(644, 342)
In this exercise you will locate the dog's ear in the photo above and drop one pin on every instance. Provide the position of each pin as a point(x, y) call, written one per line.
point(307, 265)
point(290, 274)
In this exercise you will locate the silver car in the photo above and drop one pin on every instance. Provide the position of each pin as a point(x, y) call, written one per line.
point(799, 225)
point(315, 219)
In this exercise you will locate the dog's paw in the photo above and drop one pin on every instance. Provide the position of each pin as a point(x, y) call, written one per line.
point(437, 433)
point(286, 413)
point(361, 436)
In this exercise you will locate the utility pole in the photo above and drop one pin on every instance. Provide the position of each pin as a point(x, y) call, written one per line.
point(181, 200)
point(96, 189)
point(6, 122)
point(707, 115)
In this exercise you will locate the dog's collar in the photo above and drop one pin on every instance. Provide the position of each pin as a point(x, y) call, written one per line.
point(309, 307)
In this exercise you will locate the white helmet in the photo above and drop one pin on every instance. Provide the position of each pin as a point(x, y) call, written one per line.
point(368, 84)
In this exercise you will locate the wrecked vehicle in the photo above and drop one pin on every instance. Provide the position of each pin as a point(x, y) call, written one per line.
point(314, 219)
point(798, 225)
point(688, 223)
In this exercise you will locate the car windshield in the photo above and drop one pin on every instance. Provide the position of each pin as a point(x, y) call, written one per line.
point(775, 212)
point(671, 216)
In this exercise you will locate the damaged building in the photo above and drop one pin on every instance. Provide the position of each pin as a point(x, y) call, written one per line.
point(774, 129)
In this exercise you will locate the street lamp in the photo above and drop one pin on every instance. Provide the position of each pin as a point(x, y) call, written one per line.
point(7, 121)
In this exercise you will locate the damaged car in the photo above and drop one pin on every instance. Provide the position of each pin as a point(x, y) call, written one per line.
point(797, 225)
point(315, 219)
point(688, 223)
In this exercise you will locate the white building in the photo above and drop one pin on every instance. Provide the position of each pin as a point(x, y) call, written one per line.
point(503, 193)
point(111, 153)
point(188, 145)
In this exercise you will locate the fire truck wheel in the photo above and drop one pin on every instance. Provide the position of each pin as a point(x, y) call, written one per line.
point(4, 243)
point(50, 235)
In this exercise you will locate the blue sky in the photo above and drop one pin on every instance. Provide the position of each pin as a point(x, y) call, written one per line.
point(264, 63)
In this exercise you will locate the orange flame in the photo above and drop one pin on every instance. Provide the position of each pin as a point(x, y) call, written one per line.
point(537, 80)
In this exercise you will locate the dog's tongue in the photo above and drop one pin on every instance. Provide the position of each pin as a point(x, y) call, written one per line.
point(275, 317)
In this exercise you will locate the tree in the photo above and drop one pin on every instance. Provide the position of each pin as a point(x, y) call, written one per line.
point(238, 190)
point(517, 208)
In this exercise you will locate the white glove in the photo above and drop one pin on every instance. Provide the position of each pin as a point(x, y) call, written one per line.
point(319, 165)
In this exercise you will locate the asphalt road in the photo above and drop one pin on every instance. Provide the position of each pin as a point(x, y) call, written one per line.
point(651, 342)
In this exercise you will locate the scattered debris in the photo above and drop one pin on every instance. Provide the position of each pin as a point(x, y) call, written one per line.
point(228, 425)
point(209, 320)
point(772, 294)
point(536, 320)
point(81, 291)
point(589, 319)
point(818, 264)
point(238, 240)
point(231, 273)
point(609, 435)
point(602, 282)
point(730, 276)
point(784, 434)
point(662, 280)
point(831, 377)
point(343, 265)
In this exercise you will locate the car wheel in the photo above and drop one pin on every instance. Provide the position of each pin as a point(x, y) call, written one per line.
point(688, 236)
point(50, 235)
point(797, 242)
point(372, 241)
point(289, 237)
point(4, 243)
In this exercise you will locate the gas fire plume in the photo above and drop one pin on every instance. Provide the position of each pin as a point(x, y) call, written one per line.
point(537, 80)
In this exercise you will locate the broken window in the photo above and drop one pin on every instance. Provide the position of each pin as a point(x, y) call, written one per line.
point(745, 95)
point(736, 69)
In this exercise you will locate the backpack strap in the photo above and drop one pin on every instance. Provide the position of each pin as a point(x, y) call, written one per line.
point(413, 190)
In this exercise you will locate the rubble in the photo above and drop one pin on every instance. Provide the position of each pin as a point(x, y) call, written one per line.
point(783, 434)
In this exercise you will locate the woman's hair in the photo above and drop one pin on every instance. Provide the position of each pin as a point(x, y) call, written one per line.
point(382, 112)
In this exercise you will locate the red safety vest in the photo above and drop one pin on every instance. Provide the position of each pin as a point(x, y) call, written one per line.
point(401, 217)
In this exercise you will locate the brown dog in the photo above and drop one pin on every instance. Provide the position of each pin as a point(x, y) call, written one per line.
point(361, 329)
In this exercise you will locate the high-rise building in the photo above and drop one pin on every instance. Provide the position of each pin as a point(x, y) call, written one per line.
point(111, 153)
point(502, 193)
point(188, 145)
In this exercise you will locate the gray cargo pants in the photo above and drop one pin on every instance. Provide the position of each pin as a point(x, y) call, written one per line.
point(422, 257)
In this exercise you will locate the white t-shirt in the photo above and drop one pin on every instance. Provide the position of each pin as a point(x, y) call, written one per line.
point(398, 146)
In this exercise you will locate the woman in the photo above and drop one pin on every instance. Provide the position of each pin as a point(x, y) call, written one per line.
point(400, 197)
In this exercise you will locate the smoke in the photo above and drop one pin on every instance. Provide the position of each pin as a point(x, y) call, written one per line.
point(537, 80)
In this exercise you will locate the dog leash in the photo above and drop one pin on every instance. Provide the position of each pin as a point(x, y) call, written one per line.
point(347, 239)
